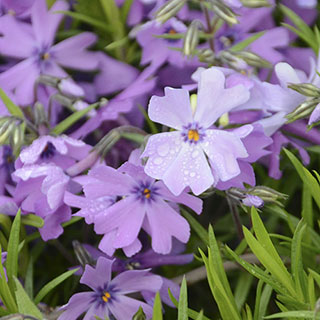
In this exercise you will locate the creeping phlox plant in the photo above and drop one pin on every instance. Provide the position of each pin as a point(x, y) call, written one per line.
point(153, 159)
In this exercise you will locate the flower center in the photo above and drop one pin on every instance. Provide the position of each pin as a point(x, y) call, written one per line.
point(48, 152)
point(147, 193)
point(45, 56)
point(106, 296)
point(193, 135)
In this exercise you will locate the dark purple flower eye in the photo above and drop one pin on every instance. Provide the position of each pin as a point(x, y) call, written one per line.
point(48, 152)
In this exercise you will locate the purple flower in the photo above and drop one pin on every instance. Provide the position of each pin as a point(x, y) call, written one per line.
point(40, 189)
point(62, 150)
point(179, 158)
point(38, 53)
point(109, 295)
point(308, 4)
point(17, 7)
point(141, 202)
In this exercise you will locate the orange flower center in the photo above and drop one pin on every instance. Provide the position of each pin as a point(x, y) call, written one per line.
point(193, 135)
point(45, 56)
point(147, 193)
point(106, 296)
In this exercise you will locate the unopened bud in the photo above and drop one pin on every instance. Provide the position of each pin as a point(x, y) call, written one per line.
point(268, 194)
point(48, 80)
point(207, 56)
point(4, 134)
point(169, 10)
point(232, 61)
point(306, 89)
point(254, 201)
point(4, 124)
point(70, 89)
point(191, 39)
point(256, 3)
point(224, 12)
point(16, 138)
point(82, 254)
point(253, 59)
point(40, 114)
point(303, 110)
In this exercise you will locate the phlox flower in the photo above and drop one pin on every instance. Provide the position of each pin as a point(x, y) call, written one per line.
point(196, 155)
point(142, 203)
point(33, 44)
point(40, 190)
point(109, 295)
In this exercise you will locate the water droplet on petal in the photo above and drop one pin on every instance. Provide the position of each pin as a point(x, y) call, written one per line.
point(192, 174)
point(195, 154)
point(158, 161)
point(163, 150)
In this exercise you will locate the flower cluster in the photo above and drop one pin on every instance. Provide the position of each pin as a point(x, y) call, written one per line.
point(131, 125)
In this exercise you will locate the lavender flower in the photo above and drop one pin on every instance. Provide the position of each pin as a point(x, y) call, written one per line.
point(179, 157)
point(38, 53)
point(109, 295)
point(142, 203)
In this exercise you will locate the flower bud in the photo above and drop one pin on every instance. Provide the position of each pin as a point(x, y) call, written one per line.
point(82, 254)
point(207, 56)
point(306, 89)
point(191, 39)
point(5, 124)
point(268, 194)
point(139, 315)
point(253, 59)
point(17, 139)
point(4, 134)
point(224, 12)
point(232, 61)
point(40, 114)
point(70, 89)
point(169, 10)
point(255, 3)
point(254, 201)
point(303, 110)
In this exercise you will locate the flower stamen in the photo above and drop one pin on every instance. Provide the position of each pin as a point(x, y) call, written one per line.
point(147, 193)
point(106, 296)
point(193, 135)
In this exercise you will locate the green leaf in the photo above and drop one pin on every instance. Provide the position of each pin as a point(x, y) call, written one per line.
point(280, 273)
point(157, 308)
point(52, 284)
point(191, 313)
point(307, 210)
point(6, 224)
point(12, 108)
point(301, 314)
point(183, 301)
point(25, 305)
point(200, 316)
point(306, 177)
point(68, 122)
point(125, 10)
point(87, 19)
point(150, 123)
point(28, 282)
point(262, 300)
point(245, 43)
point(5, 293)
point(196, 226)
point(296, 261)
point(264, 239)
point(13, 251)
point(32, 220)
point(242, 289)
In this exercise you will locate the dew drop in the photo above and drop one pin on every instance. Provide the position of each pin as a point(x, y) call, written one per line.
point(192, 174)
point(158, 161)
point(195, 154)
point(163, 150)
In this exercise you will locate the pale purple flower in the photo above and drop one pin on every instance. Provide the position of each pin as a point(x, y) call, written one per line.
point(109, 296)
point(40, 190)
point(251, 200)
point(308, 4)
point(62, 150)
point(38, 52)
point(141, 202)
point(179, 157)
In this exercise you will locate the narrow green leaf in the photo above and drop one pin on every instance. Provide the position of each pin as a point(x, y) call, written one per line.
point(191, 313)
point(307, 210)
point(150, 123)
point(200, 316)
point(68, 122)
point(89, 20)
point(282, 275)
point(12, 108)
point(157, 308)
point(301, 314)
point(196, 226)
point(296, 261)
point(25, 305)
point(52, 284)
point(242, 289)
point(13, 251)
point(311, 291)
point(5, 293)
point(28, 282)
point(264, 239)
point(306, 177)
point(125, 10)
point(183, 301)
point(245, 43)
point(6, 224)
point(32, 220)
